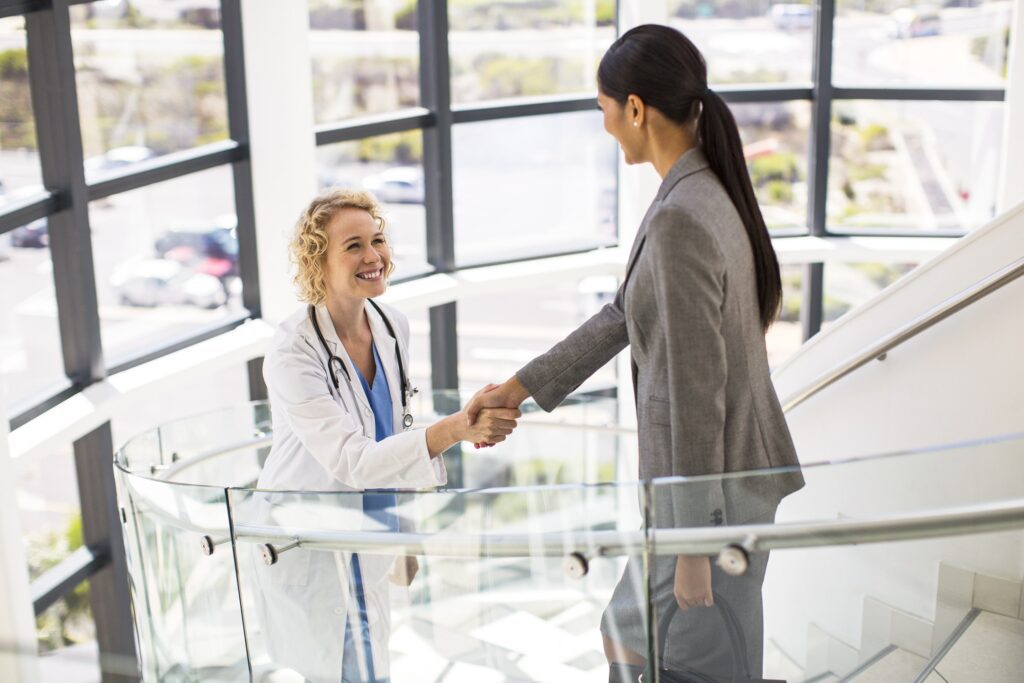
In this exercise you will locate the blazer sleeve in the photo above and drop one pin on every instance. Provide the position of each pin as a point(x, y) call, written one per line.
point(298, 385)
point(689, 289)
point(554, 375)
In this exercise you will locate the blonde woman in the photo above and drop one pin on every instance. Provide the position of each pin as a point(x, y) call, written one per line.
point(337, 374)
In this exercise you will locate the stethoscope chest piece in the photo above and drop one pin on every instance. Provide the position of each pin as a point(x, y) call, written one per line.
point(407, 420)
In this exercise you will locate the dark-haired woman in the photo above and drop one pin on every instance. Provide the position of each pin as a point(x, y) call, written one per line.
point(702, 287)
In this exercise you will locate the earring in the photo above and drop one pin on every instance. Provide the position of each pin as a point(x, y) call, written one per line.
point(636, 124)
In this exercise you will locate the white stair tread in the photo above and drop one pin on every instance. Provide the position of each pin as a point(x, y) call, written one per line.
point(897, 665)
point(991, 651)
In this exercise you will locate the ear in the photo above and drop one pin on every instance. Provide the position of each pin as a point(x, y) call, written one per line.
point(636, 110)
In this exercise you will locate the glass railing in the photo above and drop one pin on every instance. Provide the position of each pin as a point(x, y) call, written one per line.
point(546, 557)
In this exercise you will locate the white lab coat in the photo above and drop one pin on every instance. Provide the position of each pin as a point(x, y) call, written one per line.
point(324, 440)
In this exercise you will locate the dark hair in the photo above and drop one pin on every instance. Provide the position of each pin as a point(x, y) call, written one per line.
point(663, 68)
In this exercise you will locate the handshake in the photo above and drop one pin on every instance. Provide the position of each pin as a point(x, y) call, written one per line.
point(492, 412)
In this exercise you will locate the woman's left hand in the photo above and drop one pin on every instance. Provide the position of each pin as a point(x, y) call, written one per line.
point(693, 581)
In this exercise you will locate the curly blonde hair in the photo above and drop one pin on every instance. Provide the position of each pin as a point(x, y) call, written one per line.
point(309, 242)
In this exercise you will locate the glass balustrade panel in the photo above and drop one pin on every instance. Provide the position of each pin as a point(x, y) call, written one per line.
point(446, 585)
point(183, 582)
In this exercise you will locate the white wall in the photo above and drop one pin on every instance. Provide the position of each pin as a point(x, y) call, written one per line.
point(283, 146)
point(962, 379)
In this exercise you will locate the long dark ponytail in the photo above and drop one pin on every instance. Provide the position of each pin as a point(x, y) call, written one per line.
point(663, 68)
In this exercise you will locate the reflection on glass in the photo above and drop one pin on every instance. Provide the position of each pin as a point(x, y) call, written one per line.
point(365, 57)
point(914, 165)
point(747, 41)
point(775, 141)
point(19, 158)
point(166, 261)
point(419, 346)
point(537, 48)
point(31, 360)
point(850, 284)
point(786, 333)
point(531, 186)
point(500, 333)
point(150, 79)
point(391, 167)
point(950, 44)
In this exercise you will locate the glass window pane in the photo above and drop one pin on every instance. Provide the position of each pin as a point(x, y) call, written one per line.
point(150, 79)
point(19, 157)
point(30, 352)
point(391, 167)
point(532, 186)
point(775, 142)
point(851, 284)
point(499, 333)
point(419, 347)
point(914, 165)
point(166, 262)
point(749, 42)
point(786, 335)
point(501, 49)
point(888, 43)
point(365, 56)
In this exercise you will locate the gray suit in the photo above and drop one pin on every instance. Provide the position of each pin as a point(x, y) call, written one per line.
point(706, 405)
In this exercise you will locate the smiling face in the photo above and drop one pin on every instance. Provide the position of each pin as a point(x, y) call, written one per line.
point(619, 124)
point(358, 257)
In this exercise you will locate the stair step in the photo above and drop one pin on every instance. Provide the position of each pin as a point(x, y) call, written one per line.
point(991, 650)
point(897, 665)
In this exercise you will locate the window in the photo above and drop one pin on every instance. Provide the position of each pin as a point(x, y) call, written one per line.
point(495, 341)
point(533, 186)
point(749, 42)
point(775, 138)
point(166, 262)
point(959, 43)
point(502, 48)
point(786, 335)
point(19, 158)
point(851, 284)
point(150, 80)
point(365, 57)
point(31, 360)
point(914, 166)
point(391, 167)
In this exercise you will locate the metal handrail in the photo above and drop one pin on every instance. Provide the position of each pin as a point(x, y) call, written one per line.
point(970, 519)
point(979, 290)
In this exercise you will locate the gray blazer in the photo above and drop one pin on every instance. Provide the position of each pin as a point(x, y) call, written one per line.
point(688, 310)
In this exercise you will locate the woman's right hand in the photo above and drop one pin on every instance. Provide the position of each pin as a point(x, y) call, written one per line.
point(492, 425)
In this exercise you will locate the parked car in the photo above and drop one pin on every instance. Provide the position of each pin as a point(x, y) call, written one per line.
point(915, 22)
point(397, 185)
point(210, 249)
point(31, 236)
point(161, 282)
point(117, 158)
point(792, 16)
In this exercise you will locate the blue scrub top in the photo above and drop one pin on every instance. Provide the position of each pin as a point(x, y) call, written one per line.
point(380, 506)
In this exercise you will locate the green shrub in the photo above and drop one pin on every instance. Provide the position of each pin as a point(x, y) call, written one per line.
point(780, 166)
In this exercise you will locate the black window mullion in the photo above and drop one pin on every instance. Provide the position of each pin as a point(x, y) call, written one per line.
point(59, 138)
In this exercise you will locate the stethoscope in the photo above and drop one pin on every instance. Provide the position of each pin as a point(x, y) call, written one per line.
point(333, 362)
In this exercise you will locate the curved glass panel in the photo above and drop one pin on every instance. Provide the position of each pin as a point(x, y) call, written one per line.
point(19, 157)
point(166, 262)
point(914, 166)
point(749, 42)
point(502, 50)
point(150, 80)
point(533, 186)
point(786, 334)
point(391, 167)
point(850, 284)
point(824, 571)
point(365, 57)
point(962, 43)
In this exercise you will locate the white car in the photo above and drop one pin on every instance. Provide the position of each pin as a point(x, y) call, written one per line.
point(397, 185)
point(161, 282)
point(792, 16)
